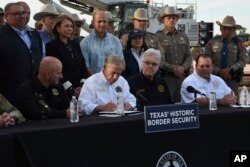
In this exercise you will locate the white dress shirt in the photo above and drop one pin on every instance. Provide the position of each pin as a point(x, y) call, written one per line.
point(98, 91)
point(214, 84)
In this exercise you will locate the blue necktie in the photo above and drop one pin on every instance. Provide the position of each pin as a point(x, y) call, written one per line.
point(224, 54)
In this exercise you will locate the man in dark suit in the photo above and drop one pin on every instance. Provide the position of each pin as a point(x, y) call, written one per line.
point(148, 88)
point(20, 51)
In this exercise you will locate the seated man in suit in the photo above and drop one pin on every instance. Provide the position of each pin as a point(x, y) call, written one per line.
point(149, 88)
point(204, 81)
point(44, 96)
point(99, 91)
point(9, 115)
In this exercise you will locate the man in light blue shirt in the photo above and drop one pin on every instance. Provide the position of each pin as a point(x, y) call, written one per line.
point(99, 44)
point(99, 91)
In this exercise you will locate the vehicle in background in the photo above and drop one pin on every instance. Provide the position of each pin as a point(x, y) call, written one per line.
point(123, 10)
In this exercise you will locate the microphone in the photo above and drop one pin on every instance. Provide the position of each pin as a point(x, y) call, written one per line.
point(67, 85)
point(142, 98)
point(191, 89)
point(118, 89)
point(45, 107)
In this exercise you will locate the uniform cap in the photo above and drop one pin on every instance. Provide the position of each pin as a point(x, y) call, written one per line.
point(135, 33)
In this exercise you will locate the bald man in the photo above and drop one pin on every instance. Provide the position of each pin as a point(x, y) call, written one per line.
point(44, 96)
point(99, 43)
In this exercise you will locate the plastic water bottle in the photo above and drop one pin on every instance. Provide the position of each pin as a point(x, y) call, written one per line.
point(244, 96)
point(74, 115)
point(212, 101)
point(120, 104)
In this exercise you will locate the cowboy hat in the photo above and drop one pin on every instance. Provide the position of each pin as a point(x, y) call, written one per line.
point(46, 10)
point(109, 16)
point(140, 14)
point(229, 21)
point(77, 19)
point(168, 11)
point(1, 11)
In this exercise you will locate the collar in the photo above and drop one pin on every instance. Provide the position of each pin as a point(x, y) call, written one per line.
point(19, 32)
point(96, 36)
point(148, 80)
point(103, 77)
point(37, 84)
point(166, 32)
point(203, 79)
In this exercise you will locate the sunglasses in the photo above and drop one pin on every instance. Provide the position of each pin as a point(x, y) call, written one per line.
point(227, 28)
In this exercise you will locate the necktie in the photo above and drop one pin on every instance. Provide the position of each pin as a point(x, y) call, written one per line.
point(224, 54)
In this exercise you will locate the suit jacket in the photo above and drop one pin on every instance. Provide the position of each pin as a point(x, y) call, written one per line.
point(132, 66)
point(18, 63)
point(147, 92)
point(74, 67)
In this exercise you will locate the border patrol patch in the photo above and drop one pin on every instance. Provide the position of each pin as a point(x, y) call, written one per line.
point(171, 158)
point(55, 92)
point(161, 88)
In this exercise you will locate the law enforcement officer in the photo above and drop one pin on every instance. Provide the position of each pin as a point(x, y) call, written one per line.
point(43, 96)
point(140, 21)
point(228, 54)
point(177, 58)
point(147, 86)
point(195, 51)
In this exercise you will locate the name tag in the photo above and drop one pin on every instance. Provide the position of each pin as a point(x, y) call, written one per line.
point(171, 117)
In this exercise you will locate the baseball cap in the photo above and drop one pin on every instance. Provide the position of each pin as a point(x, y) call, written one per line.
point(135, 33)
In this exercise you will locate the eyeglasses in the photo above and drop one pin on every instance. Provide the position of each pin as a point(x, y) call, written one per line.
point(171, 17)
point(17, 13)
point(227, 28)
point(150, 63)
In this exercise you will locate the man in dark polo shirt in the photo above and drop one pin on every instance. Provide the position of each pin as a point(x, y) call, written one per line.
point(147, 86)
point(43, 96)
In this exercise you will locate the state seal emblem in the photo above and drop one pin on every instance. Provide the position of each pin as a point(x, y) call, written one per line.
point(171, 159)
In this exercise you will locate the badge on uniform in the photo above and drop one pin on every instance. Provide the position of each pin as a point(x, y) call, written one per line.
point(181, 38)
point(215, 84)
point(161, 88)
point(55, 92)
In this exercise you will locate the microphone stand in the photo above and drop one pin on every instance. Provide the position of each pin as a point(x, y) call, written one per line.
point(195, 97)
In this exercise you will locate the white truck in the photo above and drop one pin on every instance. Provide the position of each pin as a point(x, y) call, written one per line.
point(122, 10)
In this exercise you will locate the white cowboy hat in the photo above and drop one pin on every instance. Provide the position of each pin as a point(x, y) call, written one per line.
point(168, 11)
point(229, 21)
point(46, 10)
point(140, 14)
point(109, 16)
point(77, 19)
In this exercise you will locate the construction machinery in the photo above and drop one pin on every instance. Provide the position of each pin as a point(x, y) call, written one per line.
point(123, 10)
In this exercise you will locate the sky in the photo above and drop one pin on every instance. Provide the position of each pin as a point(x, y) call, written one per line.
point(207, 10)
